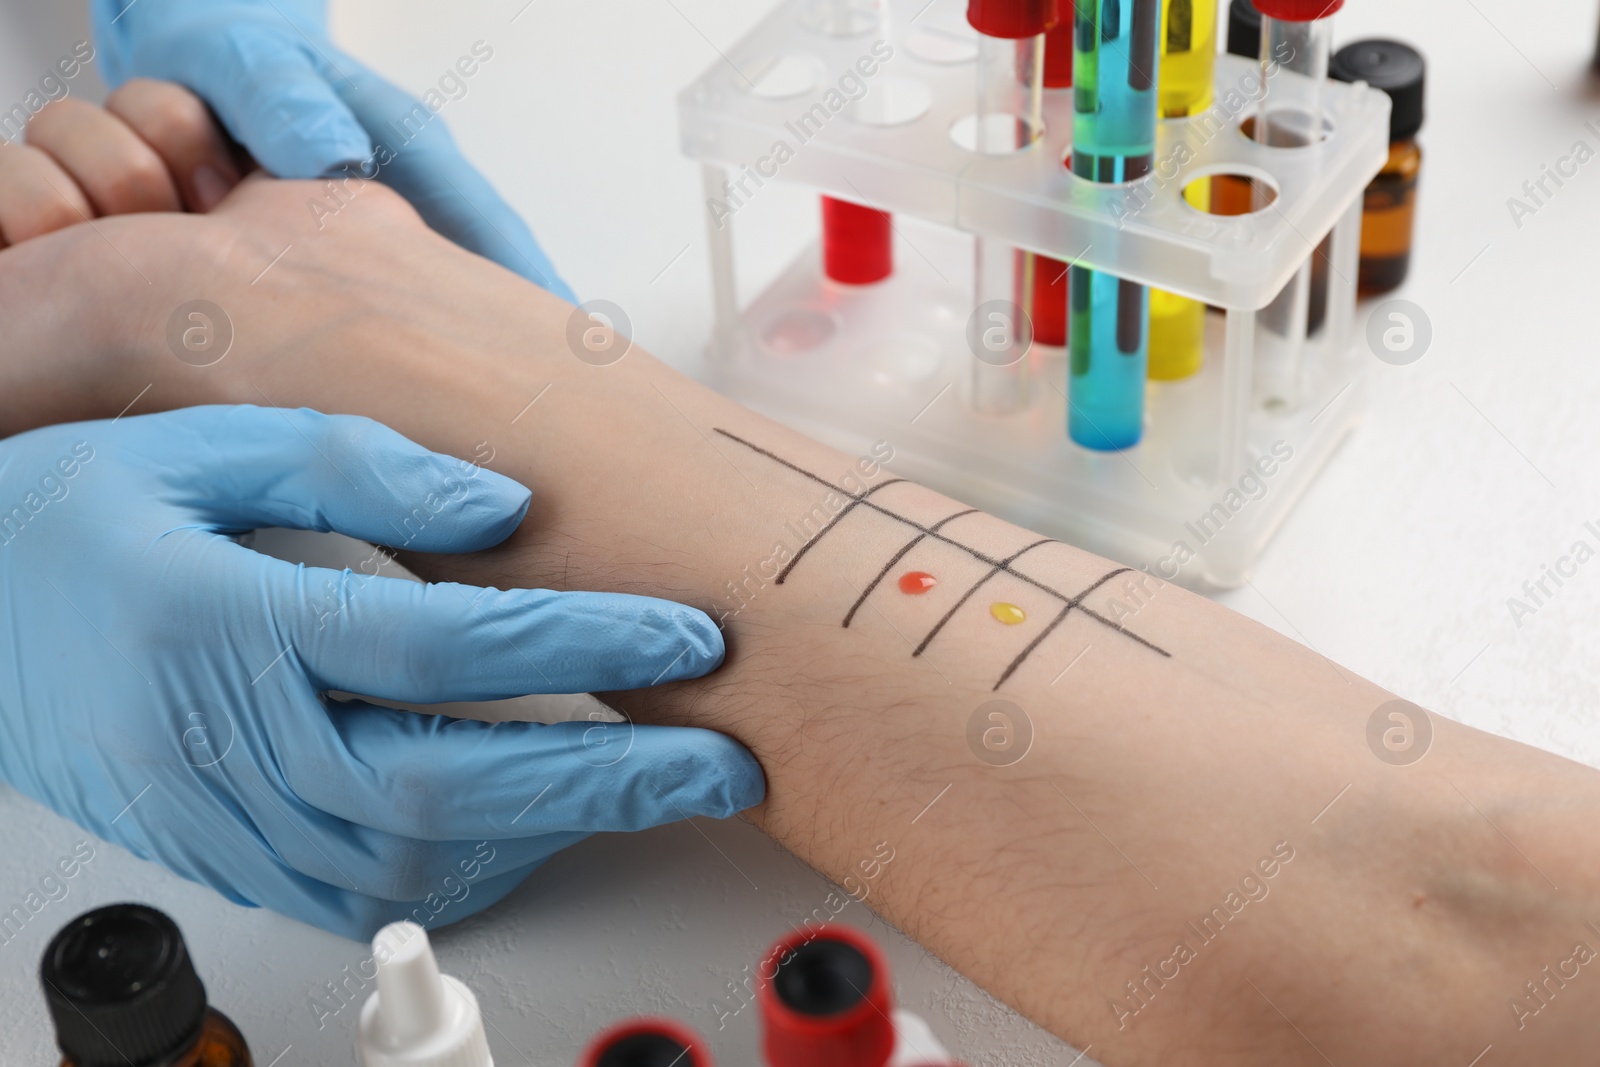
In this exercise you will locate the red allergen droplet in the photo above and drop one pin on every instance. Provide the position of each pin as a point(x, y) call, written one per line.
point(915, 582)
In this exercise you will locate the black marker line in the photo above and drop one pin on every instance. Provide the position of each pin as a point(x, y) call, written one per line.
point(975, 587)
point(854, 500)
point(974, 553)
point(1057, 621)
point(898, 556)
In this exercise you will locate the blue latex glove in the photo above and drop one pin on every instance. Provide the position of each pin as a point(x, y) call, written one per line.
point(304, 109)
point(164, 685)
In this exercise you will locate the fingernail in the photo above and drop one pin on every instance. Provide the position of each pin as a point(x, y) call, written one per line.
point(209, 186)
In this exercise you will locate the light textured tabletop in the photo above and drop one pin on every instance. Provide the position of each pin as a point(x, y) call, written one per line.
point(1476, 467)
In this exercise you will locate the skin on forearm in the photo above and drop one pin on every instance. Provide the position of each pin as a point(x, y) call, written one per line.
point(1193, 778)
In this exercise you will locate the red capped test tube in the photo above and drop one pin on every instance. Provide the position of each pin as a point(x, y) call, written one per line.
point(646, 1041)
point(828, 1003)
point(1296, 37)
point(1010, 86)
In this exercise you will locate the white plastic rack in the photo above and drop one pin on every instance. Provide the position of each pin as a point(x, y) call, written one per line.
point(1225, 454)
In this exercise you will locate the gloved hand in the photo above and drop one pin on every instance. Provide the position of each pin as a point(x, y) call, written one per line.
point(304, 109)
point(164, 686)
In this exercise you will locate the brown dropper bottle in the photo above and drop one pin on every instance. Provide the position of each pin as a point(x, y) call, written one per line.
point(1388, 212)
point(123, 992)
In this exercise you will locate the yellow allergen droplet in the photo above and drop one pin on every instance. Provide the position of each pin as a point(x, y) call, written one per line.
point(1009, 614)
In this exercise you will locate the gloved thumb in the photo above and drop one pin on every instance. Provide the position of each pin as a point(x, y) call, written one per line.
point(269, 87)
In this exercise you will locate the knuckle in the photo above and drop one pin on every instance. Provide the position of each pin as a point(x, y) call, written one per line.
point(137, 181)
point(163, 112)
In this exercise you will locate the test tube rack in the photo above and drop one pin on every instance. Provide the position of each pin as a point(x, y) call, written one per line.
point(1221, 463)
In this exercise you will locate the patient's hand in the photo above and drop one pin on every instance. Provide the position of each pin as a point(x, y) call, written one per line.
point(101, 272)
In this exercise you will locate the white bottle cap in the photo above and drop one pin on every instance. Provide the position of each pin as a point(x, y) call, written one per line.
point(418, 1017)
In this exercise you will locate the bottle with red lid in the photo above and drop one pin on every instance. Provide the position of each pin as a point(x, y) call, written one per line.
point(646, 1041)
point(828, 1003)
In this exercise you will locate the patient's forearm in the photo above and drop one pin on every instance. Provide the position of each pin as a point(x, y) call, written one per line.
point(1199, 814)
point(1199, 860)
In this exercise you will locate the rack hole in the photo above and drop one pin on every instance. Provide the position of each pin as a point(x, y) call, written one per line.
point(798, 330)
point(995, 134)
point(781, 77)
point(841, 18)
point(943, 46)
point(892, 101)
point(1230, 193)
point(1290, 129)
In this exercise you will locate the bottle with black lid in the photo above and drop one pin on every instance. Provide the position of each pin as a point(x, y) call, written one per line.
point(123, 992)
point(1388, 212)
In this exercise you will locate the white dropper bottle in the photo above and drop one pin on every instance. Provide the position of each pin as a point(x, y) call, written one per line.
point(418, 1017)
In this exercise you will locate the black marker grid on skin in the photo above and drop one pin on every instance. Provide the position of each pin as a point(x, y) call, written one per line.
point(1069, 602)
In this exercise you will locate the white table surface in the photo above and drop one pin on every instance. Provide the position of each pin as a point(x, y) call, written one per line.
point(1475, 467)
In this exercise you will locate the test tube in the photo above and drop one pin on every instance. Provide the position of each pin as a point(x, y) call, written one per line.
point(857, 240)
point(647, 1041)
point(827, 1004)
point(1050, 275)
point(1295, 38)
point(1008, 117)
point(1113, 140)
point(1188, 63)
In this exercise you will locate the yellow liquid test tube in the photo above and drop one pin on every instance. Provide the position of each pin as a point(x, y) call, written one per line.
point(1188, 61)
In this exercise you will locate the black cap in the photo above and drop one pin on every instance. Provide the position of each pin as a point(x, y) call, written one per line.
point(1396, 68)
point(1244, 29)
point(823, 977)
point(121, 989)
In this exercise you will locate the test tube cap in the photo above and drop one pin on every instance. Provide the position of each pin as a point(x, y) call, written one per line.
point(827, 1002)
point(1393, 66)
point(418, 1017)
point(1299, 10)
point(1010, 18)
point(120, 987)
point(647, 1041)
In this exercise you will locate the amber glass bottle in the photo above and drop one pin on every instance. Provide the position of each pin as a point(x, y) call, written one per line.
point(1388, 212)
point(123, 993)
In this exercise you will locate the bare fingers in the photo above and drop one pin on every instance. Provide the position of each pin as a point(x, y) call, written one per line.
point(153, 147)
point(115, 168)
point(178, 126)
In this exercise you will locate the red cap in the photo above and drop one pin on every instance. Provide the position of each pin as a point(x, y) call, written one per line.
point(827, 1003)
point(1010, 18)
point(646, 1040)
point(1298, 10)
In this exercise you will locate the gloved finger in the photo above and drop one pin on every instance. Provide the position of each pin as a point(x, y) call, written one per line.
point(400, 640)
point(36, 196)
point(359, 917)
point(451, 895)
point(448, 192)
point(118, 172)
point(267, 85)
point(176, 125)
point(375, 864)
point(434, 778)
point(245, 467)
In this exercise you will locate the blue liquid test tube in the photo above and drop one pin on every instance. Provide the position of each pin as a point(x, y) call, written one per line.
point(1113, 140)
